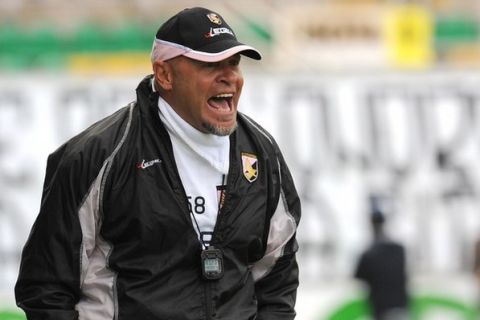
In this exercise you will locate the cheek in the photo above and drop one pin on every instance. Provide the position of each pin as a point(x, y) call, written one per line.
point(192, 92)
point(240, 81)
point(239, 91)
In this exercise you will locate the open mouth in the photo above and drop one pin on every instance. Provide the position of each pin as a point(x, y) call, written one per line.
point(222, 102)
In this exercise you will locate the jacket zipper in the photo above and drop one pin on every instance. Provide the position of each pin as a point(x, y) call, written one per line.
point(209, 305)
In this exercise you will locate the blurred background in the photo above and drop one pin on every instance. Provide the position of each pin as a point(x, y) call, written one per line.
point(368, 100)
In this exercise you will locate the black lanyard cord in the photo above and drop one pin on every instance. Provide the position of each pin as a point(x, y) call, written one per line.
point(204, 245)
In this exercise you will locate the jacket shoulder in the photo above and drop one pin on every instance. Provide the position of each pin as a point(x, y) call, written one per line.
point(86, 152)
point(260, 134)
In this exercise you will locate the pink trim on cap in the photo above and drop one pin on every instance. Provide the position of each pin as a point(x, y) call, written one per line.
point(165, 50)
point(219, 56)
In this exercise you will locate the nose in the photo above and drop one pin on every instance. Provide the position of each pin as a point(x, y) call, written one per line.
point(229, 75)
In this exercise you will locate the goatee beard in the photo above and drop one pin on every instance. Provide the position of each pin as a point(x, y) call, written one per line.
point(218, 131)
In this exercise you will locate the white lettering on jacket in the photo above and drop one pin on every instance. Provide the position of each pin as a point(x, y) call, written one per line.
point(145, 164)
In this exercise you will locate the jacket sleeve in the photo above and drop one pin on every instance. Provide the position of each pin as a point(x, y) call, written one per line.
point(48, 285)
point(276, 274)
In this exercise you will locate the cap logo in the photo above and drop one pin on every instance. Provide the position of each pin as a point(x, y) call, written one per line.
point(218, 31)
point(214, 18)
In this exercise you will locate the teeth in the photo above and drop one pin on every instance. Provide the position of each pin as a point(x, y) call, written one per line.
point(224, 95)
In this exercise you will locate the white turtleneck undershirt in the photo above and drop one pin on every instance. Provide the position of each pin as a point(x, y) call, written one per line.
point(202, 161)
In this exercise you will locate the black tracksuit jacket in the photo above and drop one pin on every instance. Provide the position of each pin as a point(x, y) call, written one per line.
point(114, 237)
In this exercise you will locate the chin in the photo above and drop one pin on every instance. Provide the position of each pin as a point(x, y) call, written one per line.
point(219, 130)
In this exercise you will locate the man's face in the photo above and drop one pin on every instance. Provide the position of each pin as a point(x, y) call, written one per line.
point(206, 94)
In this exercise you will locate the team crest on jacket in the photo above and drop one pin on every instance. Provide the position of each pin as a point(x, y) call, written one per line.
point(249, 166)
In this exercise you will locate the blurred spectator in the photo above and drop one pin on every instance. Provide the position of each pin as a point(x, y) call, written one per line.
point(382, 267)
point(476, 267)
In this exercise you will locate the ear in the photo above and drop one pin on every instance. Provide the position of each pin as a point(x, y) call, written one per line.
point(163, 74)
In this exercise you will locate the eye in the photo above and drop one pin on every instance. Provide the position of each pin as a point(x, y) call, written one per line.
point(204, 65)
point(209, 65)
point(212, 64)
point(235, 61)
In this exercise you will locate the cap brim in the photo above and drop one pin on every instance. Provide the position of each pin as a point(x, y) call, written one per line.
point(214, 52)
point(222, 55)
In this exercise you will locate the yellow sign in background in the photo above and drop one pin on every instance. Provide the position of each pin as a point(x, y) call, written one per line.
point(409, 36)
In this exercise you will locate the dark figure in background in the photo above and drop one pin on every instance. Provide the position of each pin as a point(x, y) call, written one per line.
point(383, 269)
point(476, 267)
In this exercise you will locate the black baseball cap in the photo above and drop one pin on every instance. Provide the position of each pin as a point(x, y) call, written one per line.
point(199, 34)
